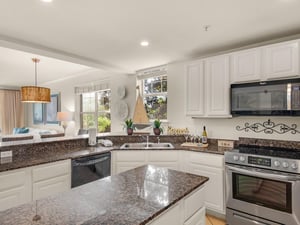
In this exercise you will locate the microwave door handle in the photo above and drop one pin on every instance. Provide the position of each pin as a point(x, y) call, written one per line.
point(267, 175)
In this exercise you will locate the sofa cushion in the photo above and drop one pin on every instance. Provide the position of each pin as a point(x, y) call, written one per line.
point(18, 130)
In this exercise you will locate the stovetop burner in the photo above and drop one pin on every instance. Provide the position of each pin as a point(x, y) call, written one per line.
point(269, 151)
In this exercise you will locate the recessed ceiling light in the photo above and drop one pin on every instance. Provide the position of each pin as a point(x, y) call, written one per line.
point(46, 0)
point(144, 43)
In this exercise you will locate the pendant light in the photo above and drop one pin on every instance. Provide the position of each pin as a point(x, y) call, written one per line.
point(35, 94)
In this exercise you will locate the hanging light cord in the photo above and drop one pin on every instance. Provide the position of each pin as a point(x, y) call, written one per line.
point(35, 60)
point(35, 73)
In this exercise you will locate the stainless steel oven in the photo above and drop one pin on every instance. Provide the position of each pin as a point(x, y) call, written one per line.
point(262, 190)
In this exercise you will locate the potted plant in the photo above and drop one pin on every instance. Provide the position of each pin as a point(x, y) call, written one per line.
point(157, 130)
point(129, 126)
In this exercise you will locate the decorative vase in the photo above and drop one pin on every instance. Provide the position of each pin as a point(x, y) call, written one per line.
point(129, 131)
point(156, 131)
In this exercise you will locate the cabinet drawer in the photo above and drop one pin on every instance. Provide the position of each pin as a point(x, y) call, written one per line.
point(12, 179)
point(52, 186)
point(198, 218)
point(206, 159)
point(163, 156)
point(51, 170)
point(193, 203)
point(131, 156)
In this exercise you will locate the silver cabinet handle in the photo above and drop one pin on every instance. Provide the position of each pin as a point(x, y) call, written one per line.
point(264, 174)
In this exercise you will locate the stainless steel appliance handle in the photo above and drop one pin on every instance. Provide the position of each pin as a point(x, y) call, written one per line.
point(252, 221)
point(264, 174)
point(91, 161)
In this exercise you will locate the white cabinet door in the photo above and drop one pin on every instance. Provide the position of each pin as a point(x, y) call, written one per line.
point(198, 218)
point(168, 159)
point(214, 187)
point(51, 186)
point(281, 60)
point(217, 86)
point(126, 160)
point(124, 166)
point(51, 178)
point(246, 65)
point(15, 188)
point(194, 89)
point(188, 211)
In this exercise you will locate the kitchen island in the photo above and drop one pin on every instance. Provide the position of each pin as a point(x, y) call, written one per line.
point(144, 195)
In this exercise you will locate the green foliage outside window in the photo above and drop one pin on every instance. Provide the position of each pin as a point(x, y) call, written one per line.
point(95, 112)
point(155, 97)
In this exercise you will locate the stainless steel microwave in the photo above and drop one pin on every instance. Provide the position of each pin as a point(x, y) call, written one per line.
point(268, 98)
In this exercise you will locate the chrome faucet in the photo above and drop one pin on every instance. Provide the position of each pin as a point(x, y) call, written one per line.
point(147, 140)
point(158, 140)
point(147, 145)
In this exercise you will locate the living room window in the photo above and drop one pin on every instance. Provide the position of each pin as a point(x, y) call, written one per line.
point(95, 110)
point(154, 90)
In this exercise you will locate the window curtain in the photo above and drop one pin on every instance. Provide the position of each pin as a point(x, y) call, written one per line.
point(11, 110)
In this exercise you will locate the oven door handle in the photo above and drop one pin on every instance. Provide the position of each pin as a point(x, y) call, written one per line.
point(248, 220)
point(265, 174)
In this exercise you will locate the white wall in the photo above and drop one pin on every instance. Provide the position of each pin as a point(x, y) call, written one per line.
point(216, 128)
point(70, 101)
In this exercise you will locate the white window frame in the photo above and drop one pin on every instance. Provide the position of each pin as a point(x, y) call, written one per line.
point(96, 113)
point(140, 83)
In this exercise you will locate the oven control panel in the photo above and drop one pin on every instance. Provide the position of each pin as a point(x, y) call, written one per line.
point(259, 161)
point(275, 163)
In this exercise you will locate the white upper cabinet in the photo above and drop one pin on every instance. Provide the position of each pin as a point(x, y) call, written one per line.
point(195, 89)
point(276, 61)
point(281, 60)
point(207, 87)
point(217, 86)
point(245, 65)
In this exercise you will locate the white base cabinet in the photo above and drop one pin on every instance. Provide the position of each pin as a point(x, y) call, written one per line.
point(204, 164)
point(211, 166)
point(51, 178)
point(126, 160)
point(188, 211)
point(15, 188)
point(25, 185)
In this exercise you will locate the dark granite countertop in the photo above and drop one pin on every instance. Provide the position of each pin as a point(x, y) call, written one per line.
point(36, 158)
point(21, 161)
point(134, 197)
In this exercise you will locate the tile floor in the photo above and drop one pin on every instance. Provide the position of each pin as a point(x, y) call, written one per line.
point(211, 220)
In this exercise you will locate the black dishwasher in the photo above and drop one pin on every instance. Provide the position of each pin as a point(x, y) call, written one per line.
point(90, 168)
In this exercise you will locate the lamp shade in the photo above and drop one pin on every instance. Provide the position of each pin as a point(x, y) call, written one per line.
point(64, 116)
point(35, 94)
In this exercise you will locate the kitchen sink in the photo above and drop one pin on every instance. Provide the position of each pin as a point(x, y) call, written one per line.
point(144, 145)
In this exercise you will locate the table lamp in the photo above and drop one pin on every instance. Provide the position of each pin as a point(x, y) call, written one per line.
point(63, 118)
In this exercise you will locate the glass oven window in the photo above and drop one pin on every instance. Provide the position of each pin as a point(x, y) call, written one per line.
point(268, 193)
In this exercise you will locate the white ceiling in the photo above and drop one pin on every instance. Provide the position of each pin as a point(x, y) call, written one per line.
point(17, 68)
point(106, 34)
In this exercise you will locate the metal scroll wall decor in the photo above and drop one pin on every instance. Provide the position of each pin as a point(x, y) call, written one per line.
point(269, 127)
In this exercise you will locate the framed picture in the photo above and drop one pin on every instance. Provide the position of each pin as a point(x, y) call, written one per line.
point(46, 112)
point(52, 108)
